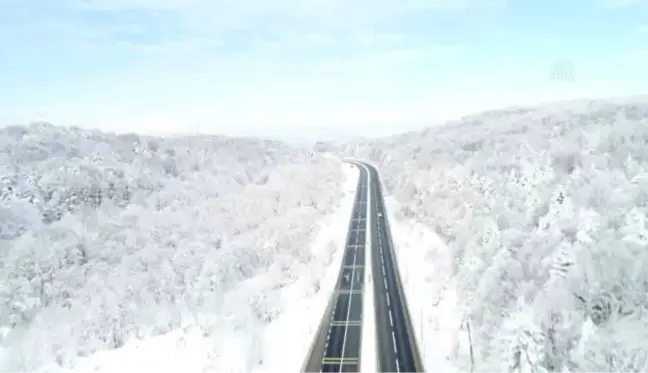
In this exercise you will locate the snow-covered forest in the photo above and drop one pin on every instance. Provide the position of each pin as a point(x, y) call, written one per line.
point(106, 239)
point(521, 234)
point(542, 213)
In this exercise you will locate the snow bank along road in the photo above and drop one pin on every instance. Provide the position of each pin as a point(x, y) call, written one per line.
point(337, 344)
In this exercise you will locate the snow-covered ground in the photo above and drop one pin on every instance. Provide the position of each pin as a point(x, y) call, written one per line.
point(130, 253)
point(522, 236)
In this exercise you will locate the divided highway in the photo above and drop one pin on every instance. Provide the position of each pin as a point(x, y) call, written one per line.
point(337, 344)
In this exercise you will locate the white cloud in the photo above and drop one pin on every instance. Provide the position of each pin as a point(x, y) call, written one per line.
point(388, 57)
point(237, 64)
point(255, 7)
point(220, 15)
point(114, 5)
point(619, 3)
point(641, 54)
point(371, 38)
point(189, 25)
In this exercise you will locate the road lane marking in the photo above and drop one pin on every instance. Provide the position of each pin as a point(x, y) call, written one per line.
point(377, 192)
point(338, 291)
point(346, 330)
point(391, 320)
point(337, 360)
point(359, 220)
point(349, 291)
point(346, 323)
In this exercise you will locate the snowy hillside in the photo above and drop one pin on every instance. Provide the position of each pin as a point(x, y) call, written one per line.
point(106, 239)
point(535, 250)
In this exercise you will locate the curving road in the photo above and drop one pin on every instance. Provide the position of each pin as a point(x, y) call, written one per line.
point(337, 344)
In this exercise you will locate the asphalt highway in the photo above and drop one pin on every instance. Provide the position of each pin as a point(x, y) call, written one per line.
point(337, 344)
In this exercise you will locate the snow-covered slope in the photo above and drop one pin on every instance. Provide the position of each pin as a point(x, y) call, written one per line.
point(522, 235)
point(109, 239)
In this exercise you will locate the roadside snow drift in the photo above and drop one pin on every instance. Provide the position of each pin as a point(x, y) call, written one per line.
point(522, 236)
point(107, 240)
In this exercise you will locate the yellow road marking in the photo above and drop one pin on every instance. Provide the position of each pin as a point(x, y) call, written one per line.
point(346, 323)
point(340, 361)
point(349, 291)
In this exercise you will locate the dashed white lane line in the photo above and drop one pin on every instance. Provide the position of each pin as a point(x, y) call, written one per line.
point(391, 319)
point(328, 335)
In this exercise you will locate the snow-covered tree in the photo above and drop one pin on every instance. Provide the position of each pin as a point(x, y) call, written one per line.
point(106, 239)
point(544, 204)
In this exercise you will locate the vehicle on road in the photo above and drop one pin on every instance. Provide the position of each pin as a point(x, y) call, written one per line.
point(380, 214)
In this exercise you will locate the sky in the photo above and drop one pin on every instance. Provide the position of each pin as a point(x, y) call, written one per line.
point(290, 68)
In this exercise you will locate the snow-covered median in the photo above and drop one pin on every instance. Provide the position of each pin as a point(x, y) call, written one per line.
point(522, 236)
point(129, 253)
